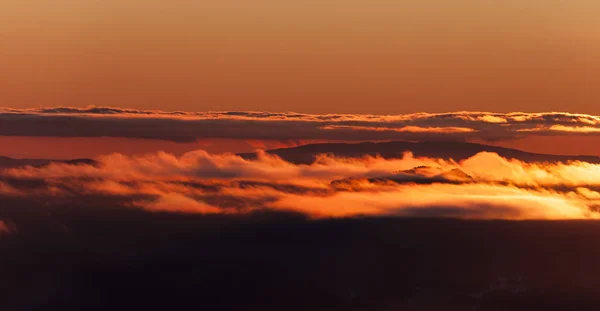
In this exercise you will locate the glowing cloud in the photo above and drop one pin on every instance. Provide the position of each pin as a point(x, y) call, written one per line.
point(251, 126)
point(408, 129)
point(5, 228)
point(484, 186)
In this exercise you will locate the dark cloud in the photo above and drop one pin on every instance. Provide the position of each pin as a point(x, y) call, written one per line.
point(190, 126)
point(418, 175)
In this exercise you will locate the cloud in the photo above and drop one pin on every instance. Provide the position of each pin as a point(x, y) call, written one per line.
point(287, 126)
point(459, 201)
point(4, 228)
point(405, 129)
point(175, 202)
point(483, 186)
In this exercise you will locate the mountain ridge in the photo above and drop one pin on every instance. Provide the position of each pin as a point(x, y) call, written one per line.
point(306, 154)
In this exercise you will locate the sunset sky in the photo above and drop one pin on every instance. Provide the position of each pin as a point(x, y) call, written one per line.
point(378, 57)
point(299, 155)
point(181, 85)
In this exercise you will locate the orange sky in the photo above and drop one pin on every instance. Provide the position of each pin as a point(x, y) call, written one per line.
point(86, 147)
point(313, 56)
point(90, 147)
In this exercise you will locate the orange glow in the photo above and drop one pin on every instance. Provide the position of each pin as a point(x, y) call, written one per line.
point(483, 186)
point(408, 129)
point(577, 129)
point(315, 56)
point(91, 147)
point(5, 228)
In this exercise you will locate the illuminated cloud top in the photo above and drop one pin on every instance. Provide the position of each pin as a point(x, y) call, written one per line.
point(191, 126)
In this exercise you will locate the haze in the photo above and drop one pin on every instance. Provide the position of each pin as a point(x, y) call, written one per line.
point(307, 56)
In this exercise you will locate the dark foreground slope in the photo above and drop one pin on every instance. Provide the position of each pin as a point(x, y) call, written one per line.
point(444, 149)
point(94, 257)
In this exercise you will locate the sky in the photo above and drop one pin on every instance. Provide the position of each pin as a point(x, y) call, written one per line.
point(377, 57)
point(140, 133)
point(390, 58)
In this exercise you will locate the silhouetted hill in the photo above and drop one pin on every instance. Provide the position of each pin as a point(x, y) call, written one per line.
point(6, 162)
point(447, 150)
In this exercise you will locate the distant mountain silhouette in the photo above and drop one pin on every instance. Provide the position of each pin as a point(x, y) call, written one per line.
point(306, 154)
point(447, 150)
point(6, 162)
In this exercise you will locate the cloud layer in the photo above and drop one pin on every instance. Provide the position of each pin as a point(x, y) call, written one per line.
point(192, 126)
point(485, 186)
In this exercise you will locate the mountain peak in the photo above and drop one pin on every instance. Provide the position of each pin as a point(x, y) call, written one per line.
point(447, 150)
